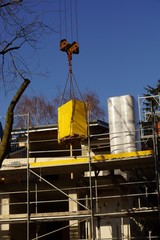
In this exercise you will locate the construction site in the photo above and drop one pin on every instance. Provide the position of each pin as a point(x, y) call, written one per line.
point(79, 179)
point(102, 186)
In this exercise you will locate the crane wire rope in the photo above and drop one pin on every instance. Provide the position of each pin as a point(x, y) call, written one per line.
point(63, 18)
point(76, 19)
point(63, 97)
point(69, 48)
point(77, 86)
point(60, 19)
point(65, 11)
point(72, 92)
point(71, 20)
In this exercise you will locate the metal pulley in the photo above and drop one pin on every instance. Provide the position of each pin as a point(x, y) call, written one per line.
point(69, 48)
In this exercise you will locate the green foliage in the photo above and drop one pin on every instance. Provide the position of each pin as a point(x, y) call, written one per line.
point(152, 100)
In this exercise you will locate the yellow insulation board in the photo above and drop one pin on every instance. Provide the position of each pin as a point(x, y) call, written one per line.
point(72, 120)
point(96, 158)
point(124, 155)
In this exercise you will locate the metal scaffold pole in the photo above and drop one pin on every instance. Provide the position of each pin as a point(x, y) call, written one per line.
point(28, 173)
point(90, 180)
point(156, 156)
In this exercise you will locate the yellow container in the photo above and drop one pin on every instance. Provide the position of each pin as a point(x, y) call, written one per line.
point(72, 121)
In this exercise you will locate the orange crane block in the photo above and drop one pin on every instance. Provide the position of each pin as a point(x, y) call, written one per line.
point(72, 121)
point(72, 48)
point(64, 45)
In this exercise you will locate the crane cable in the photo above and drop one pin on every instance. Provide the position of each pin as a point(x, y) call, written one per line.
point(63, 17)
point(76, 19)
point(69, 48)
point(71, 20)
point(66, 25)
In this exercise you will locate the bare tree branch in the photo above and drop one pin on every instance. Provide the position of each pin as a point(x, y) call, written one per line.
point(21, 25)
point(9, 121)
point(9, 3)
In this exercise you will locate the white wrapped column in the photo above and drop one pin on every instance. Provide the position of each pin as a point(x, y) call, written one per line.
point(115, 125)
point(128, 122)
point(121, 124)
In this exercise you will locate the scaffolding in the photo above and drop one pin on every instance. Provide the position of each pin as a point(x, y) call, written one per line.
point(47, 192)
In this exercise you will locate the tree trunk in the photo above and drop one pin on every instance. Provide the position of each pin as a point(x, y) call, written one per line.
point(9, 121)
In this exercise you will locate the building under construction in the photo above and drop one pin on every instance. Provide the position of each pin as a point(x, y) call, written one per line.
point(102, 186)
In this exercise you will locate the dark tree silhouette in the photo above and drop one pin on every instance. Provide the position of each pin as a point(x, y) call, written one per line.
point(21, 27)
point(9, 121)
point(93, 105)
point(41, 111)
point(44, 112)
point(152, 99)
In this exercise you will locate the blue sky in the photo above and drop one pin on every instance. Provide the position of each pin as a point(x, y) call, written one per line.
point(119, 50)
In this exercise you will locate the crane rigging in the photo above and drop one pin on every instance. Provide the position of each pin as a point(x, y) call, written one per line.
point(72, 117)
point(68, 15)
point(68, 20)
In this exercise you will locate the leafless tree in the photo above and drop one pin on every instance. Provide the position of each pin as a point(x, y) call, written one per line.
point(93, 105)
point(90, 97)
point(9, 121)
point(92, 102)
point(41, 111)
point(21, 27)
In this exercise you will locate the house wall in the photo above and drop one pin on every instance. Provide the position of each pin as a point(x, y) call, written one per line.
point(109, 227)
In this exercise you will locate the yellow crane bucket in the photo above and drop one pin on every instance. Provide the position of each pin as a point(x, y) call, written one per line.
point(72, 121)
